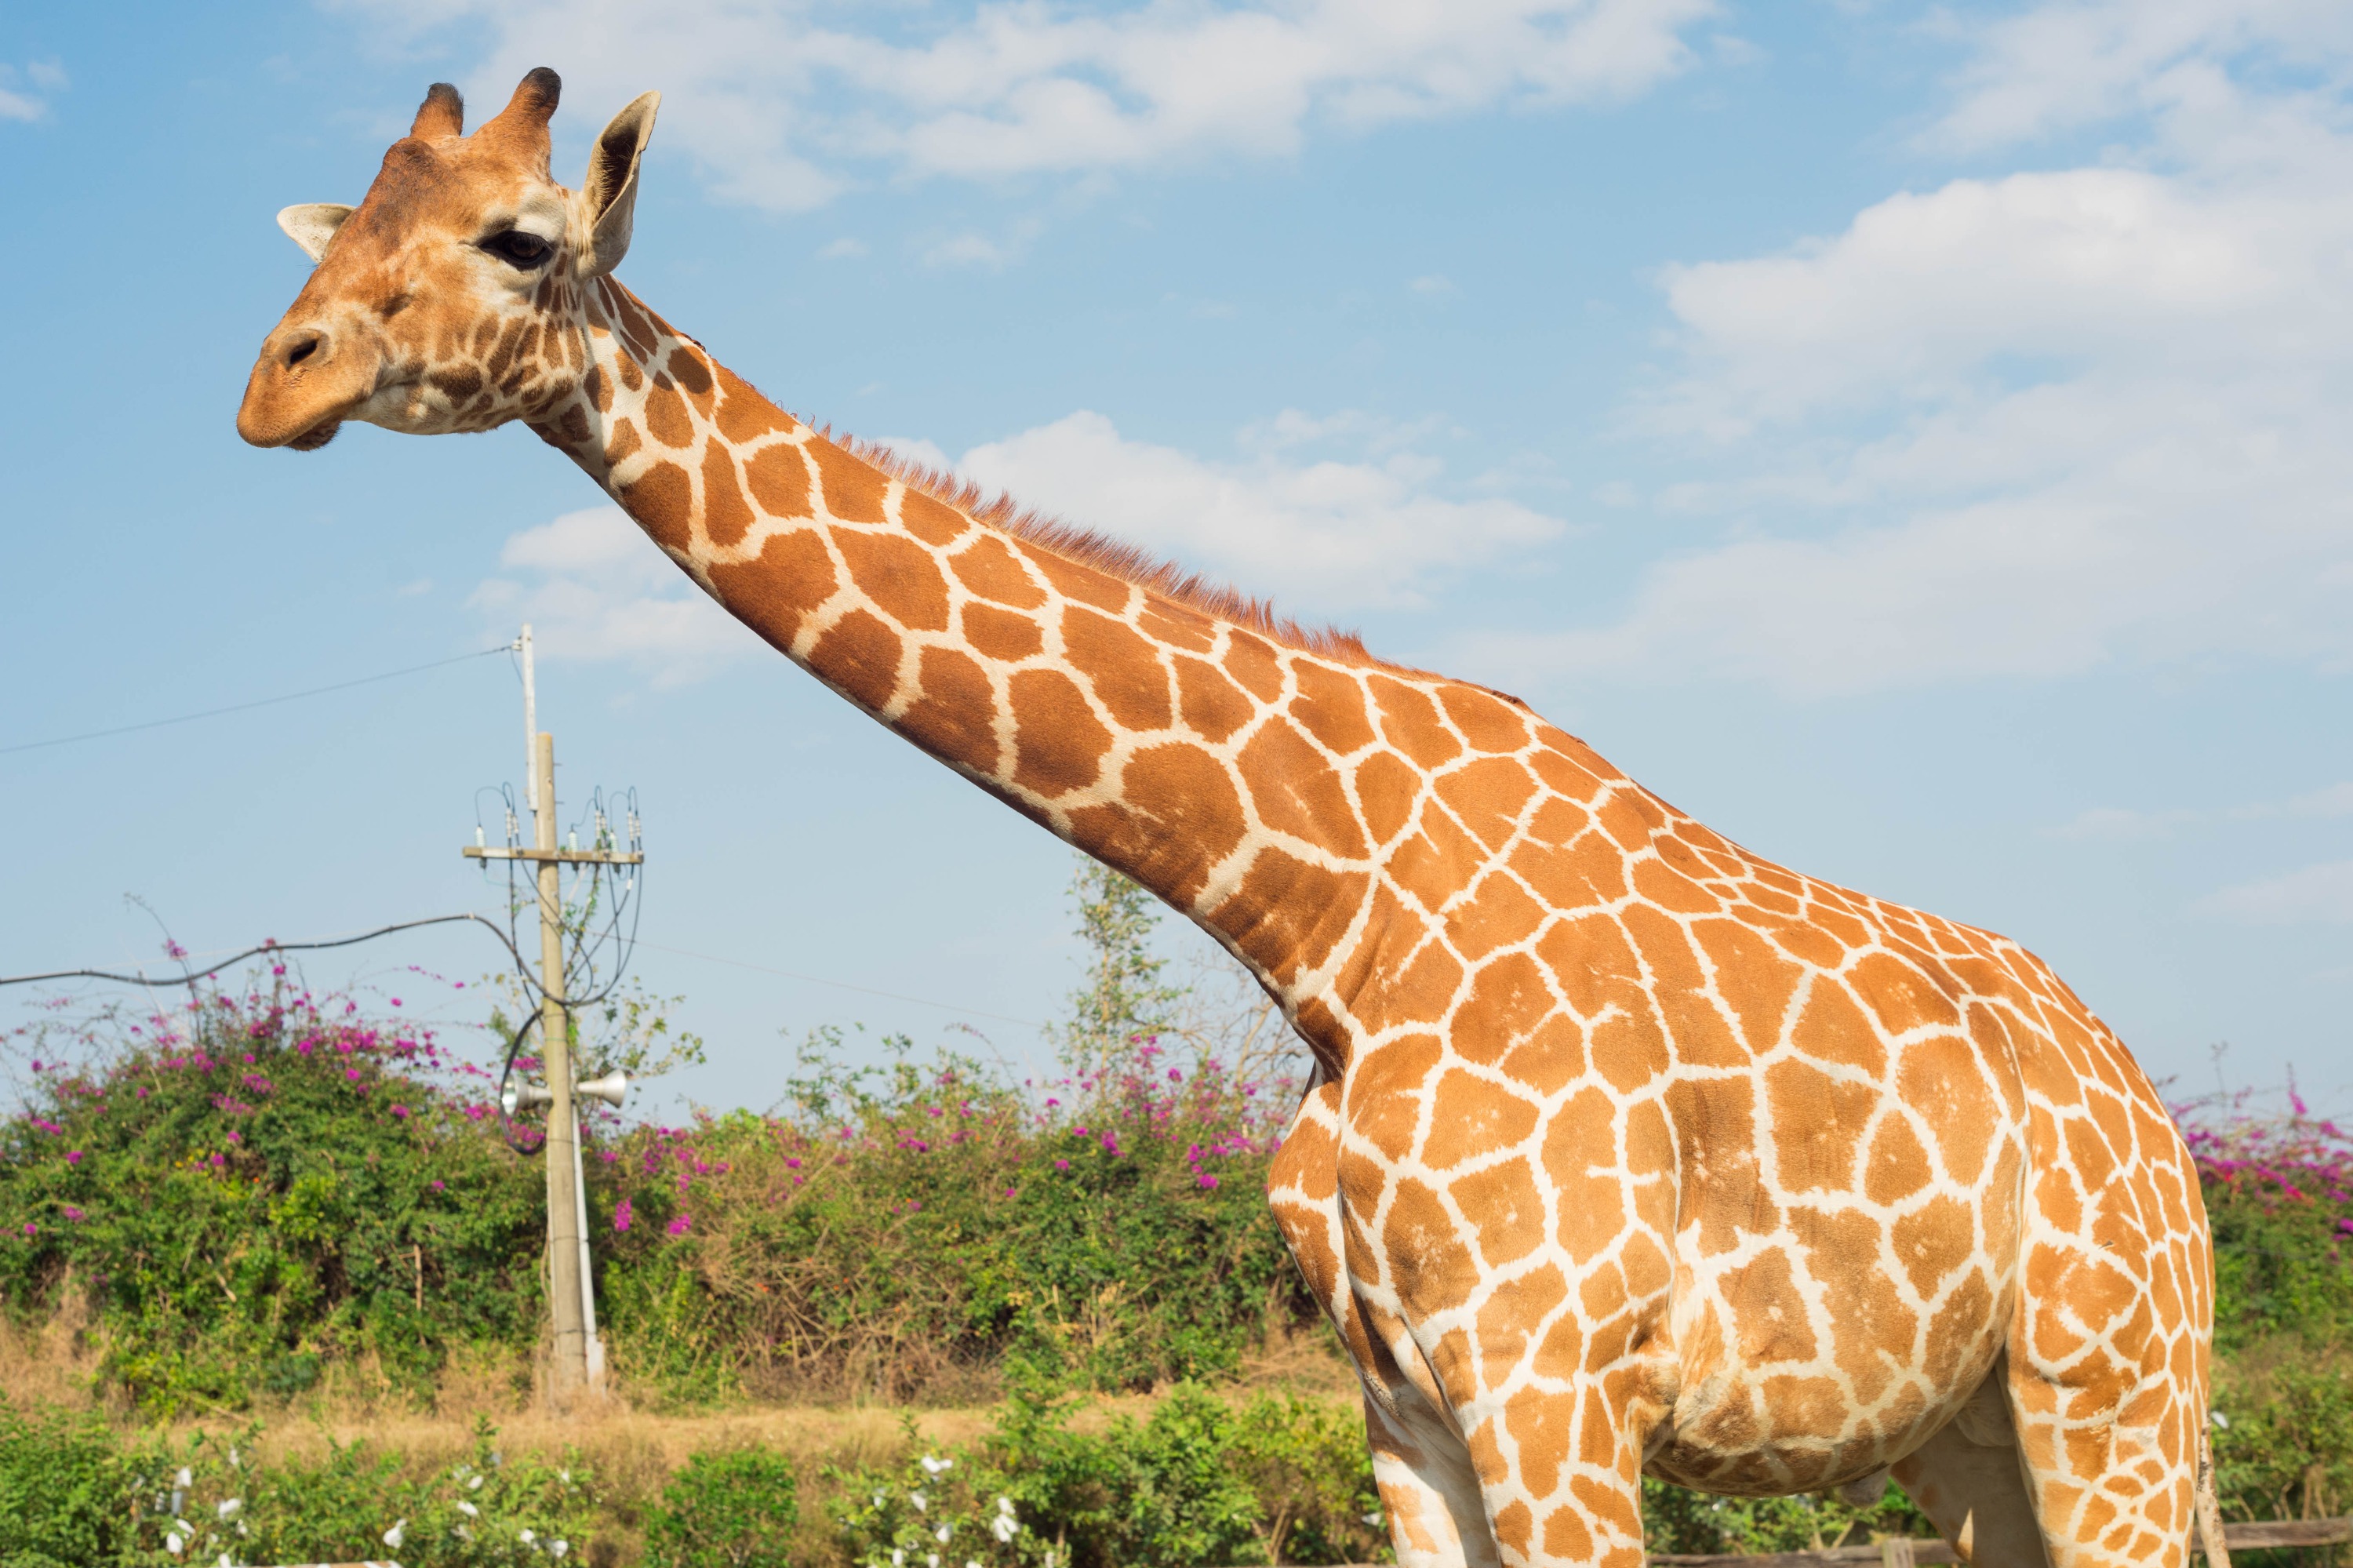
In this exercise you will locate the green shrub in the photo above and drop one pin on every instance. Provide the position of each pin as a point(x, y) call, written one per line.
point(2289, 1454)
point(1198, 1481)
point(271, 1183)
point(904, 1226)
point(64, 1481)
point(730, 1510)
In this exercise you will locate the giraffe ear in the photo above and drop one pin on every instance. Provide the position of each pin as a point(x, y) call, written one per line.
point(313, 224)
point(611, 188)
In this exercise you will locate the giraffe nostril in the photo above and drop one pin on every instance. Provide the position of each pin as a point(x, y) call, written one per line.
point(300, 347)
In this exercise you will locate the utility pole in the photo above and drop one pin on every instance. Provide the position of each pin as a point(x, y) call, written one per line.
point(567, 1245)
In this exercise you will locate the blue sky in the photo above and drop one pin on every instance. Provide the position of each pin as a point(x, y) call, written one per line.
point(1911, 439)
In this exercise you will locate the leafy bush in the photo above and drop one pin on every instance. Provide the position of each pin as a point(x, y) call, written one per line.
point(735, 1509)
point(1197, 1481)
point(73, 1492)
point(62, 1479)
point(2287, 1454)
point(2279, 1198)
point(902, 1227)
point(263, 1181)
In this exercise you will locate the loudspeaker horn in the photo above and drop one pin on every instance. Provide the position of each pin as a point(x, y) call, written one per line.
point(519, 1095)
point(610, 1088)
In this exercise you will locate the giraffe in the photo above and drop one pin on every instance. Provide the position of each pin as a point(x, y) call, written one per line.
point(1625, 1150)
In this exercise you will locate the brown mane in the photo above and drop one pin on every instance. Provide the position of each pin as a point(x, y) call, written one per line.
point(1163, 578)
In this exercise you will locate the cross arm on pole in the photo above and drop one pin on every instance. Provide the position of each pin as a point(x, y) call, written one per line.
point(554, 856)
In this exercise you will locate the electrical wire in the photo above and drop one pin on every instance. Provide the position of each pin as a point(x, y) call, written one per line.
point(242, 707)
point(186, 976)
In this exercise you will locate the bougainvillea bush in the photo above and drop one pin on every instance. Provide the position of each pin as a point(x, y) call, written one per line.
point(2279, 1197)
point(897, 1229)
point(256, 1187)
point(259, 1183)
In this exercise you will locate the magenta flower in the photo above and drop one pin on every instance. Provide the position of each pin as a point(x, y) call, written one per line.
point(681, 1225)
point(74, 1214)
point(623, 1214)
point(73, 1156)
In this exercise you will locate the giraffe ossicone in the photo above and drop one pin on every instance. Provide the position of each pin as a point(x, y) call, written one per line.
point(1626, 1150)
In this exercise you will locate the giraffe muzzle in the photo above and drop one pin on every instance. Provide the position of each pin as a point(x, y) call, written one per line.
point(306, 381)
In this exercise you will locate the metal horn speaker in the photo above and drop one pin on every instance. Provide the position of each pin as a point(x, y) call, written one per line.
point(519, 1095)
point(610, 1088)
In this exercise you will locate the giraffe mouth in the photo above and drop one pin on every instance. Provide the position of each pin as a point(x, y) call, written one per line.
point(317, 436)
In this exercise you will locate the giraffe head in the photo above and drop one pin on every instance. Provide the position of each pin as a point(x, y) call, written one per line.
point(451, 298)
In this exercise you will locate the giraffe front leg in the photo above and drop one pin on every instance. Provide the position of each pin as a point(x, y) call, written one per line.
point(1429, 1492)
point(1560, 1476)
point(1430, 1488)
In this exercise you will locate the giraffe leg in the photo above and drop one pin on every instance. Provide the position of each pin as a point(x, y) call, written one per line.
point(1428, 1489)
point(2110, 1444)
point(1971, 1479)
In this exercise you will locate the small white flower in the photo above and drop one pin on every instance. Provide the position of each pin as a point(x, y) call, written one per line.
point(936, 1467)
point(878, 1500)
point(563, 1476)
point(186, 1479)
point(234, 1462)
point(464, 1533)
point(922, 1503)
point(470, 1511)
point(527, 1536)
point(1005, 1527)
point(943, 1533)
point(968, 1562)
point(396, 1534)
point(224, 1561)
point(2221, 1420)
point(229, 1507)
point(897, 1559)
point(1004, 1505)
point(934, 1560)
point(558, 1547)
point(172, 1544)
point(475, 1485)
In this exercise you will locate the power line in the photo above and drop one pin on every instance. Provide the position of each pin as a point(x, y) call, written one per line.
point(241, 708)
point(842, 985)
point(185, 978)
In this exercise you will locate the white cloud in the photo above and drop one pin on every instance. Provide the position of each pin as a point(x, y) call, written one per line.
point(1323, 534)
point(2055, 67)
point(781, 108)
point(2318, 894)
point(25, 92)
point(2020, 427)
point(593, 588)
point(2125, 824)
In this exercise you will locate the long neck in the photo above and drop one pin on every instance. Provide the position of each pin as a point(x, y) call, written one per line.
point(1202, 760)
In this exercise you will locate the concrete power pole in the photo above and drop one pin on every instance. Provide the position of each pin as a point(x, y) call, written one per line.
point(567, 1251)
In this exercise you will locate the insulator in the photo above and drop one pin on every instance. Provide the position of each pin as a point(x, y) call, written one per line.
point(479, 842)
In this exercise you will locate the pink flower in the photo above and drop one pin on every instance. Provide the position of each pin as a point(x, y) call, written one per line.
point(1061, 1165)
point(437, 1186)
point(622, 1215)
point(400, 1111)
point(73, 1156)
point(74, 1214)
point(681, 1225)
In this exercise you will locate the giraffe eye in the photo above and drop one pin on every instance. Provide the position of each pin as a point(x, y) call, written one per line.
point(519, 248)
